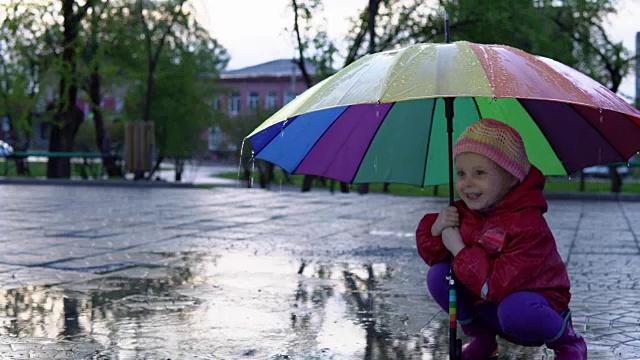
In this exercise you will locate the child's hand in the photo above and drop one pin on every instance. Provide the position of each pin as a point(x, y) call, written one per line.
point(448, 217)
point(452, 240)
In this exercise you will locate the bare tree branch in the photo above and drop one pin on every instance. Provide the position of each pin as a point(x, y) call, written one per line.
point(300, 61)
point(83, 10)
point(357, 43)
point(153, 58)
point(168, 31)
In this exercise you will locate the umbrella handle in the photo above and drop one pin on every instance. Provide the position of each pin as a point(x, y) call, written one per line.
point(448, 108)
point(453, 318)
point(455, 345)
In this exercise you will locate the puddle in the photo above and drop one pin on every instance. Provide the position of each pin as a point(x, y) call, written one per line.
point(240, 306)
point(392, 233)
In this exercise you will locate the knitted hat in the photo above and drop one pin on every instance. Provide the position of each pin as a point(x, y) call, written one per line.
point(498, 142)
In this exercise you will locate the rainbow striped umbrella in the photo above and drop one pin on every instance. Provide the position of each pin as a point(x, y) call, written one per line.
point(382, 118)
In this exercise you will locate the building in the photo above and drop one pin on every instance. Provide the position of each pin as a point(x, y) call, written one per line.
point(267, 86)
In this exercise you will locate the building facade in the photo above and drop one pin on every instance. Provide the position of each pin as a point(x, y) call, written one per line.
point(267, 86)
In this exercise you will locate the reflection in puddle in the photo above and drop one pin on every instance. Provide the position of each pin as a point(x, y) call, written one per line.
point(240, 306)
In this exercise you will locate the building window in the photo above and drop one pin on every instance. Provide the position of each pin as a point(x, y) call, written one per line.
point(234, 103)
point(253, 101)
point(288, 96)
point(215, 103)
point(272, 101)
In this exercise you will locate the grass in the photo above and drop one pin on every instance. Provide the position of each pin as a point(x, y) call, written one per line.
point(552, 185)
point(39, 169)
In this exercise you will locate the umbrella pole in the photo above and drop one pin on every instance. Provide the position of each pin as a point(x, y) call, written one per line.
point(455, 345)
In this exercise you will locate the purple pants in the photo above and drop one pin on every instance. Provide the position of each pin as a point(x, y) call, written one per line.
point(523, 317)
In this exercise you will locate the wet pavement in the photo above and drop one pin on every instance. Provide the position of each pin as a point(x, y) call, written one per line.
point(124, 273)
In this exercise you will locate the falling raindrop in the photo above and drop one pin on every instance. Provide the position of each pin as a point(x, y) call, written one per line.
point(600, 110)
point(240, 164)
point(253, 167)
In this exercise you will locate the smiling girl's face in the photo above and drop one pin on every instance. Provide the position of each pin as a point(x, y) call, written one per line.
point(481, 182)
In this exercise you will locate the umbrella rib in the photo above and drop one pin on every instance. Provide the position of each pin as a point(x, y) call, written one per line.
point(626, 116)
point(320, 137)
point(355, 173)
point(286, 124)
point(637, 124)
point(477, 107)
point(545, 135)
point(426, 154)
point(572, 106)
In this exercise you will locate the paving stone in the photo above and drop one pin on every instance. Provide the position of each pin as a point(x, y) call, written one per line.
point(246, 273)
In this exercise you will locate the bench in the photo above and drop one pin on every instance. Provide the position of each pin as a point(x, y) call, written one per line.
point(85, 167)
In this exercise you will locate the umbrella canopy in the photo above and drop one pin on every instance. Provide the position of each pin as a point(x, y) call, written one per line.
point(382, 118)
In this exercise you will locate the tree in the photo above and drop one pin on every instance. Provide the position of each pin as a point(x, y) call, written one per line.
point(156, 20)
point(97, 33)
point(67, 117)
point(28, 51)
point(170, 83)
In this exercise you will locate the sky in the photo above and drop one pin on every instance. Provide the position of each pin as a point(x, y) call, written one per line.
point(253, 31)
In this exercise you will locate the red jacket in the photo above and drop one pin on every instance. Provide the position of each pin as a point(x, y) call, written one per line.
point(508, 249)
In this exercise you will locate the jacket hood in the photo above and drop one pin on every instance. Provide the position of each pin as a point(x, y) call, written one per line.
point(527, 194)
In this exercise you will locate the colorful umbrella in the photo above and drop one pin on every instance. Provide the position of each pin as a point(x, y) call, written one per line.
point(382, 118)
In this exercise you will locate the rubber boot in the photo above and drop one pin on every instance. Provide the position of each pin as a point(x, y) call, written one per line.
point(483, 344)
point(569, 346)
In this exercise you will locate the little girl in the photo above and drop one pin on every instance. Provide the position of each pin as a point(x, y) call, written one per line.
point(511, 279)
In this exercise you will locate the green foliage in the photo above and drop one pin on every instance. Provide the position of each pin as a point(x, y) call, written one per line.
point(187, 64)
point(27, 57)
point(180, 111)
point(86, 138)
point(39, 169)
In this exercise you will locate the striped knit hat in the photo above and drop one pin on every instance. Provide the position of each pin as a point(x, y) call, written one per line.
point(498, 142)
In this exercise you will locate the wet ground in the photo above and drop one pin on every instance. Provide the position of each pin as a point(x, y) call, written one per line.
point(97, 273)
